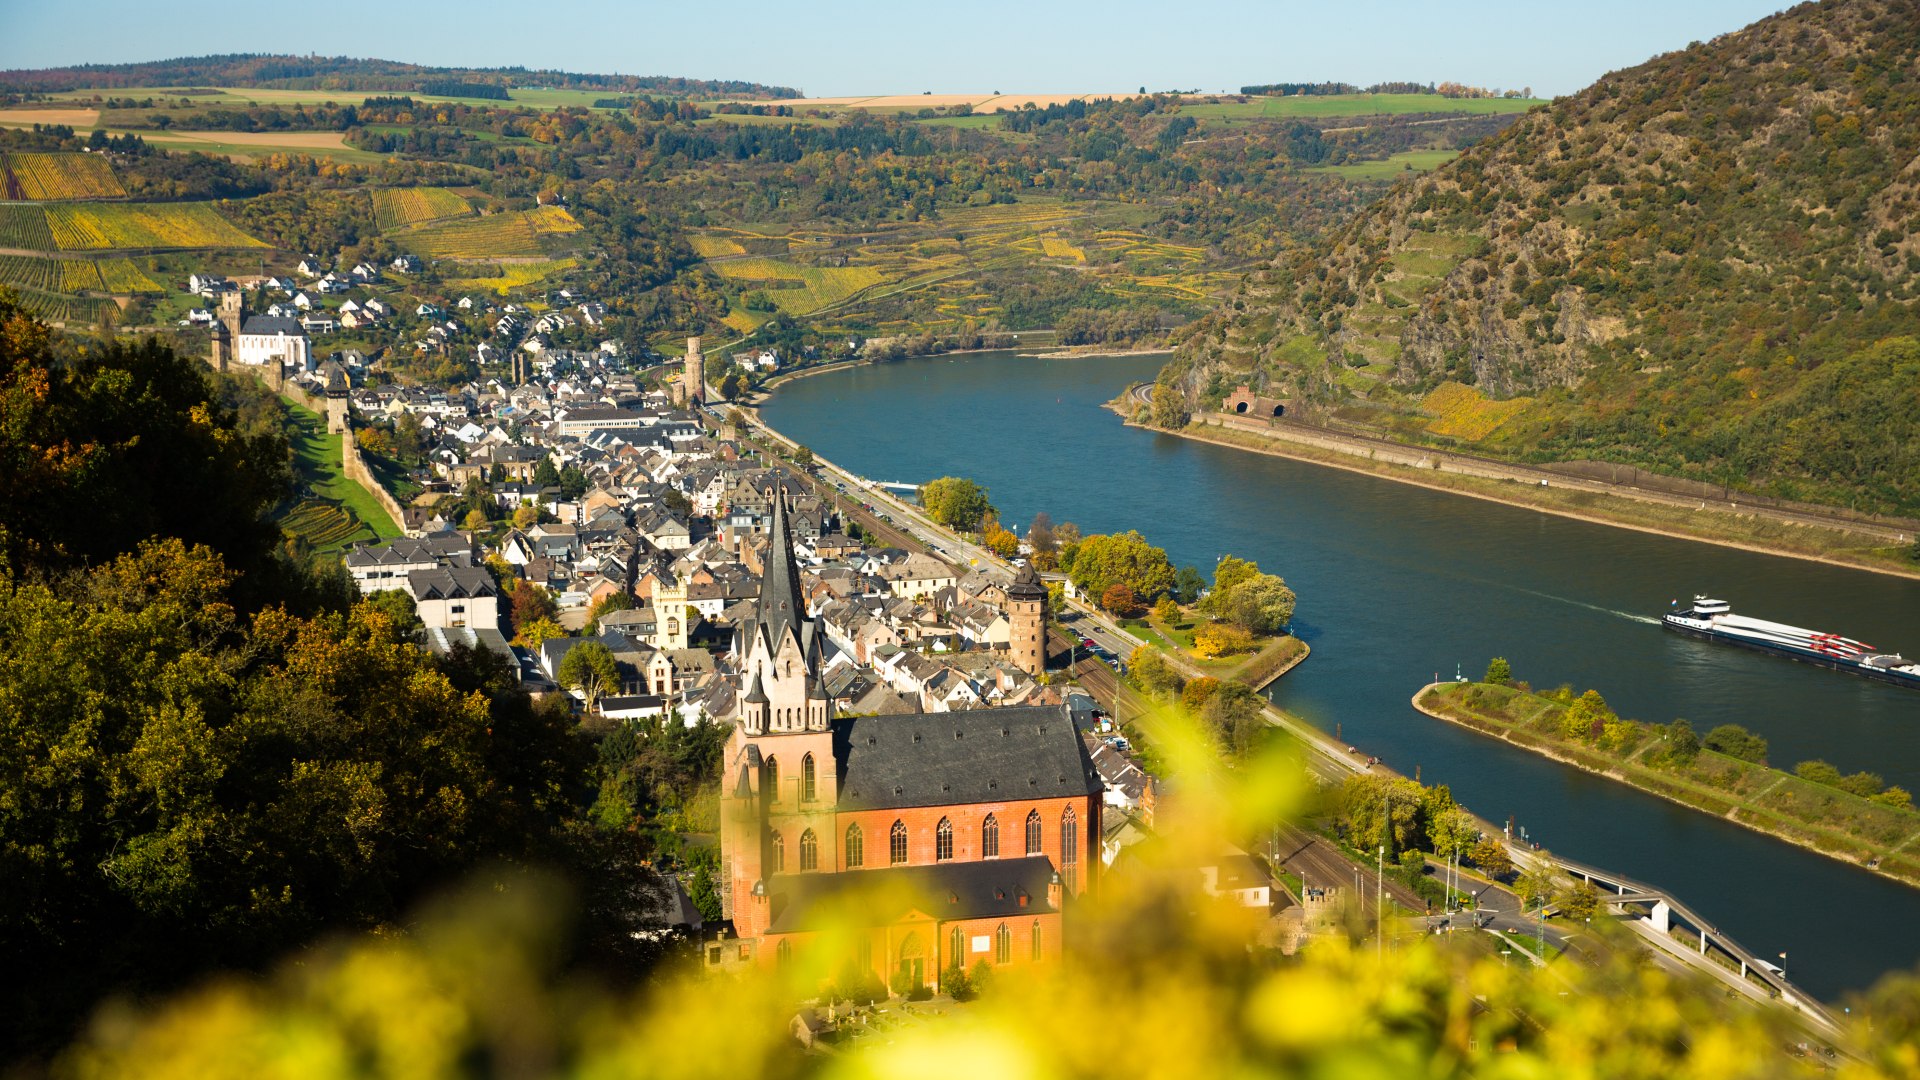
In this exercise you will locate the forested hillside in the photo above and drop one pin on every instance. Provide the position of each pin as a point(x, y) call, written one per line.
point(351, 73)
point(1691, 265)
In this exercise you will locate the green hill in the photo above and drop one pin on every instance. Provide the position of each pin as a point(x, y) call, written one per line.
point(1694, 265)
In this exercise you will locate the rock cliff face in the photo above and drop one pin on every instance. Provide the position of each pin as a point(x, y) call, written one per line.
point(1653, 261)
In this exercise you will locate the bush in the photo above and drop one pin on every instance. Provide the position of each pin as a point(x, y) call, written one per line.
point(1220, 639)
point(1736, 741)
point(956, 983)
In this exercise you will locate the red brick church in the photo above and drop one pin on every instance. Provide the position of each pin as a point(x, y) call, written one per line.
point(986, 823)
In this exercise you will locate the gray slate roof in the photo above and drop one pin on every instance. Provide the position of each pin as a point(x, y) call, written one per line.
point(273, 324)
point(978, 756)
point(994, 888)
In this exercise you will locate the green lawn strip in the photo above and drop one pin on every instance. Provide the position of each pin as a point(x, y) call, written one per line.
point(317, 459)
point(1770, 800)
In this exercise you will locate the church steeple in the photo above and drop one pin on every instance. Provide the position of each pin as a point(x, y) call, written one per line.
point(780, 648)
point(780, 608)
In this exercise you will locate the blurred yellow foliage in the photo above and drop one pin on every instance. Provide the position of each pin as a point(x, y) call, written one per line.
point(1160, 982)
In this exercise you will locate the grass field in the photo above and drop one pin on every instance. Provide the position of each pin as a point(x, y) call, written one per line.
point(506, 277)
point(800, 289)
point(106, 226)
point(1357, 105)
point(1406, 163)
point(496, 236)
point(316, 457)
point(1461, 412)
point(59, 176)
point(398, 208)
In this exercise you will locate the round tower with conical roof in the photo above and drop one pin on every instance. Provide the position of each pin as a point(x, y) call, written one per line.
point(1027, 612)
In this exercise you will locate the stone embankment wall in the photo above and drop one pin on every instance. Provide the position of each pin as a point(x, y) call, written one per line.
point(354, 467)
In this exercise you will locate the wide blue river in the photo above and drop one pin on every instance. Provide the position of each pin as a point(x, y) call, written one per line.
point(1398, 584)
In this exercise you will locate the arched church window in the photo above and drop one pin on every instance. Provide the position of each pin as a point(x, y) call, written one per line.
point(779, 853)
point(856, 847)
point(990, 838)
point(809, 851)
point(808, 791)
point(1033, 832)
point(770, 778)
point(897, 844)
point(1069, 848)
point(943, 841)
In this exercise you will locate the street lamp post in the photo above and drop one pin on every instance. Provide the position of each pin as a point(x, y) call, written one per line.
point(1380, 905)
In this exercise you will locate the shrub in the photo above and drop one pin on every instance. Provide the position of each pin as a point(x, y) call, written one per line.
point(1220, 639)
point(1736, 741)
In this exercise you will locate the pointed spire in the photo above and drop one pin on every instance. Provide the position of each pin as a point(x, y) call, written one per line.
point(780, 607)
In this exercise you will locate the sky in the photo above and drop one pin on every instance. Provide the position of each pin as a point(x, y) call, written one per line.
point(874, 47)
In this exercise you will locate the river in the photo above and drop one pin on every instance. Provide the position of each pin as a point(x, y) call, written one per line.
point(1398, 584)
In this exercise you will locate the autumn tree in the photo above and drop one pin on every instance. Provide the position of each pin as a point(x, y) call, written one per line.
point(956, 502)
point(590, 668)
point(1121, 559)
point(1217, 639)
point(612, 602)
point(1198, 692)
point(1499, 672)
point(528, 603)
point(1149, 670)
point(1491, 857)
point(1000, 541)
point(124, 441)
point(247, 783)
point(1118, 598)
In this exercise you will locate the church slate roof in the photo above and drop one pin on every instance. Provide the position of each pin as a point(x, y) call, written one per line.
point(955, 758)
point(993, 888)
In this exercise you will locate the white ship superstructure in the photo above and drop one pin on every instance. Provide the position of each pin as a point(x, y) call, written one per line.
point(1714, 619)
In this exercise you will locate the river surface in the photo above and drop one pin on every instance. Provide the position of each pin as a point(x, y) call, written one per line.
point(1398, 584)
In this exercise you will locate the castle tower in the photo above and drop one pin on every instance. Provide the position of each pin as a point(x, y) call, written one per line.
point(1027, 611)
point(220, 354)
point(232, 310)
point(693, 385)
point(670, 614)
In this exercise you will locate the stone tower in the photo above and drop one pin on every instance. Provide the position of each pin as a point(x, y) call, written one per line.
point(670, 614)
point(1027, 611)
point(693, 383)
point(220, 354)
point(232, 310)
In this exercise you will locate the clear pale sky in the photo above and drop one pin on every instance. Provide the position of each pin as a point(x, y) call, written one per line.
point(898, 46)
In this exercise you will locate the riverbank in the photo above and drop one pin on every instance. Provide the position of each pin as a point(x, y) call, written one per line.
point(1079, 352)
point(1748, 530)
point(1871, 836)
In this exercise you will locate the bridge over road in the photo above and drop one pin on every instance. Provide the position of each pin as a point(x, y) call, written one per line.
point(1662, 911)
